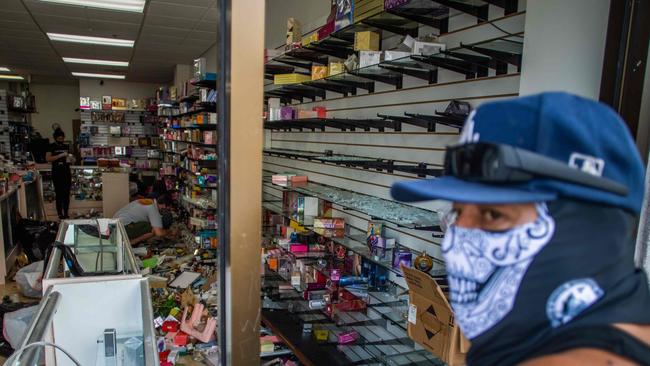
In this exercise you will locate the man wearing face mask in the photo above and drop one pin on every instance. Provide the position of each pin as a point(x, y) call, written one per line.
point(539, 247)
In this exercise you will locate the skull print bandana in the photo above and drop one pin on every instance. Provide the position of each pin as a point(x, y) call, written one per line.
point(485, 269)
point(514, 293)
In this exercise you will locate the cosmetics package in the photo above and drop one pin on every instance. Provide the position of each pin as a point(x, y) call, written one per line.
point(200, 68)
point(427, 48)
point(377, 275)
point(348, 337)
point(383, 251)
point(329, 223)
point(364, 9)
point(344, 14)
point(84, 103)
point(302, 114)
point(107, 102)
point(294, 31)
point(287, 113)
point(374, 234)
point(321, 335)
point(294, 78)
point(326, 30)
point(402, 256)
point(395, 55)
point(319, 72)
point(310, 38)
point(366, 41)
point(336, 68)
point(368, 58)
point(321, 112)
point(390, 4)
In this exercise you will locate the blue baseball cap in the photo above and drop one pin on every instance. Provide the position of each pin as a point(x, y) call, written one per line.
point(580, 132)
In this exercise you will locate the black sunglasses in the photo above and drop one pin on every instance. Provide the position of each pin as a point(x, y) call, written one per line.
point(496, 163)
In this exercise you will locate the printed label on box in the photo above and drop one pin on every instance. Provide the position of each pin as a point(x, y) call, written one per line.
point(413, 314)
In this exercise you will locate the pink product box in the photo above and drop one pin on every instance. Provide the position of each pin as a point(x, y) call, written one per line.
point(298, 248)
point(348, 337)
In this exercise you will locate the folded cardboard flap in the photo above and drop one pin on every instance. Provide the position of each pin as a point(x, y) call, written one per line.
point(431, 319)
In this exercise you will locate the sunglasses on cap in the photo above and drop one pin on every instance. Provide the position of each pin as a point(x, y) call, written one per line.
point(496, 163)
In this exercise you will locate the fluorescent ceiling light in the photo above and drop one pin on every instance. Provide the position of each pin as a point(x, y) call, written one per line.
point(4, 69)
point(91, 40)
point(88, 61)
point(136, 6)
point(98, 76)
point(12, 77)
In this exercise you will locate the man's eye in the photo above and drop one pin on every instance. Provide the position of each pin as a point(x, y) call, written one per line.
point(492, 215)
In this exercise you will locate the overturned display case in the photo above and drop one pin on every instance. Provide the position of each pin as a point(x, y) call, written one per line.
point(92, 279)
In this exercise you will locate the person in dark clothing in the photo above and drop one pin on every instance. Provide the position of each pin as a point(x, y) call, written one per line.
point(539, 247)
point(61, 177)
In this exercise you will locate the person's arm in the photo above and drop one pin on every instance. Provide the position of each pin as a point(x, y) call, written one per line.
point(156, 222)
point(142, 238)
point(50, 158)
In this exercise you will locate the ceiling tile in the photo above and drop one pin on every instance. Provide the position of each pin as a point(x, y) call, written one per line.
point(176, 10)
point(165, 31)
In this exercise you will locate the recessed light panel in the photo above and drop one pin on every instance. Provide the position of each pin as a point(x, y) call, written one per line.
point(136, 6)
point(91, 40)
point(87, 61)
point(98, 76)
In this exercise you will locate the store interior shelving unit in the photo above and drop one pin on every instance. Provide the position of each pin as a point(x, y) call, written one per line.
point(385, 123)
point(128, 135)
point(15, 123)
point(189, 164)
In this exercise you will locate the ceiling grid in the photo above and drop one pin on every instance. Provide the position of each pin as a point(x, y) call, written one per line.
point(167, 33)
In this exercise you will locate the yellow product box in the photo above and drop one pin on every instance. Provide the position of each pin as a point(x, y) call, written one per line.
point(310, 38)
point(367, 8)
point(281, 79)
point(319, 72)
point(336, 68)
point(366, 41)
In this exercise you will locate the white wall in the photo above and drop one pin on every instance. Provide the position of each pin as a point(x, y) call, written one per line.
point(117, 88)
point(311, 13)
point(564, 46)
point(211, 58)
point(55, 103)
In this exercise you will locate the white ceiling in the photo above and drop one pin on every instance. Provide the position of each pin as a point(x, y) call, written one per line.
point(169, 32)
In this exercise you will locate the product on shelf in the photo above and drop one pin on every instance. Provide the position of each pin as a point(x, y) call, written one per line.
point(319, 72)
point(294, 31)
point(336, 68)
point(364, 9)
point(366, 41)
point(368, 58)
point(344, 14)
point(293, 78)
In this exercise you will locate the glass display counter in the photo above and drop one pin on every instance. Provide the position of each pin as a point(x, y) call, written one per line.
point(100, 247)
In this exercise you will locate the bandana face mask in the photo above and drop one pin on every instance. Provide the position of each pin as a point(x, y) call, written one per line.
point(485, 269)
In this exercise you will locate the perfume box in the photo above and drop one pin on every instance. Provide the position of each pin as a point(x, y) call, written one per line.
point(293, 78)
point(427, 48)
point(344, 14)
point(390, 4)
point(307, 206)
point(329, 223)
point(287, 113)
point(107, 102)
point(326, 30)
point(336, 68)
point(319, 72)
point(368, 58)
point(366, 41)
point(321, 112)
point(310, 38)
point(395, 55)
point(364, 9)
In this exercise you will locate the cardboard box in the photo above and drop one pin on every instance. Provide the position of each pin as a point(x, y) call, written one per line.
point(368, 58)
point(366, 41)
point(294, 32)
point(431, 320)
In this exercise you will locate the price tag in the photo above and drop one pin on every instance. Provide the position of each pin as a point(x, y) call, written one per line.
point(413, 314)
